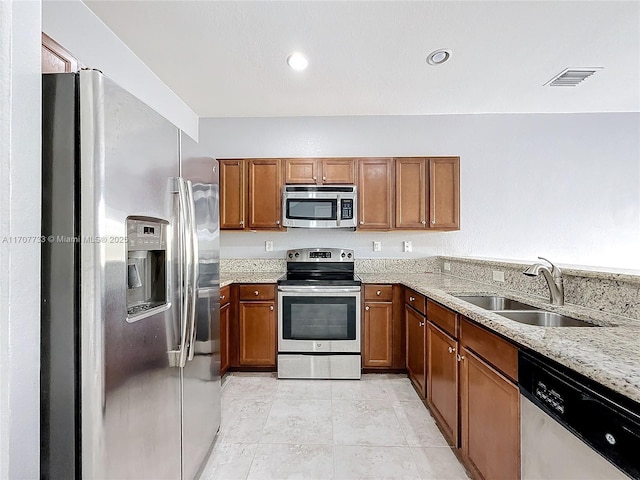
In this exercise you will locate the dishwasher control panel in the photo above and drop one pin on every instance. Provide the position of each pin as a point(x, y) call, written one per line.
point(550, 397)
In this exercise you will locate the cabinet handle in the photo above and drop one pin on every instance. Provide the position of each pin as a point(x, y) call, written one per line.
point(241, 222)
point(367, 308)
point(361, 222)
point(411, 299)
point(459, 357)
point(379, 292)
point(451, 349)
point(277, 222)
point(256, 293)
point(271, 307)
point(222, 297)
point(315, 178)
point(324, 178)
point(421, 324)
point(424, 222)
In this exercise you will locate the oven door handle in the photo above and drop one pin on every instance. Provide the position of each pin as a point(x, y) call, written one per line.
point(318, 289)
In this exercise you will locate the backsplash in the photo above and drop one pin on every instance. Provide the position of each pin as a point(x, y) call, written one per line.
point(616, 293)
point(363, 265)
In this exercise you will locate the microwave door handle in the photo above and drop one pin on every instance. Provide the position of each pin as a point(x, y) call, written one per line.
point(339, 211)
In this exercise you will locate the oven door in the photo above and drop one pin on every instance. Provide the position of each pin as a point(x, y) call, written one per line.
point(319, 319)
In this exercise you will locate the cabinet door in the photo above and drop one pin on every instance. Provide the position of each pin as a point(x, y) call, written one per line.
point(378, 334)
point(338, 170)
point(55, 59)
point(257, 334)
point(265, 184)
point(224, 338)
point(232, 194)
point(444, 193)
point(411, 193)
point(490, 419)
point(442, 378)
point(415, 329)
point(301, 170)
point(375, 182)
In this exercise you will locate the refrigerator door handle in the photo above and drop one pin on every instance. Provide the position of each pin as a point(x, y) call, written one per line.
point(194, 270)
point(186, 269)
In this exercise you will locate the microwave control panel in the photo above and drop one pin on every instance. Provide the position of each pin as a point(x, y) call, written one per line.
point(346, 209)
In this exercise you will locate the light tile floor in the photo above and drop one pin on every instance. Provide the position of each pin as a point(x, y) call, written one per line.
point(374, 428)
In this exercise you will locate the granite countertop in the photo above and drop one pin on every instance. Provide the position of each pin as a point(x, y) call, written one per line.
point(608, 354)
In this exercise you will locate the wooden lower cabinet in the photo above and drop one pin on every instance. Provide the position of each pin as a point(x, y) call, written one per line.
point(442, 378)
point(415, 328)
point(378, 334)
point(257, 334)
point(490, 419)
point(225, 312)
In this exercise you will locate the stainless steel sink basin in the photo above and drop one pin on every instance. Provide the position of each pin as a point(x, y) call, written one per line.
point(545, 319)
point(492, 302)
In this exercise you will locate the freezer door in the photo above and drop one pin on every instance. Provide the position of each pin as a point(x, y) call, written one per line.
point(130, 395)
point(201, 375)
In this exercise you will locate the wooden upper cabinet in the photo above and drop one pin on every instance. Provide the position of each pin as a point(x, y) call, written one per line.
point(428, 193)
point(265, 184)
point(444, 193)
point(232, 194)
point(319, 170)
point(411, 191)
point(375, 193)
point(55, 59)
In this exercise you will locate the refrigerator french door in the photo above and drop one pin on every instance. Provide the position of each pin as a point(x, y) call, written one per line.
point(121, 276)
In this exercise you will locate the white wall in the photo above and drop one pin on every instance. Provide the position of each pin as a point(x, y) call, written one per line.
point(74, 26)
point(19, 216)
point(564, 186)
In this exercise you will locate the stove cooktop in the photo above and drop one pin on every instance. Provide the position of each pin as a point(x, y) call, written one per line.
point(326, 279)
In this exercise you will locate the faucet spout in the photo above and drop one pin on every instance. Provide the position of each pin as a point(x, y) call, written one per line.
point(553, 276)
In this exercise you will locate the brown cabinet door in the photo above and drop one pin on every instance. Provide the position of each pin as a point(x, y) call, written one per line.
point(301, 170)
point(265, 184)
point(338, 170)
point(257, 334)
point(442, 378)
point(415, 328)
point(378, 334)
point(490, 419)
point(224, 338)
point(411, 193)
point(375, 187)
point(232, 194)
point(444, 193)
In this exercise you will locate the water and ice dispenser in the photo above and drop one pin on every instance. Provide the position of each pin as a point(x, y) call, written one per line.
point(146, 265)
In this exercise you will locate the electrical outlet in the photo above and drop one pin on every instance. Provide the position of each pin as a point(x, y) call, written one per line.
point(377, 246)
point(498, 276)
point(447, 266)
point(268, 246)
point(406, 246)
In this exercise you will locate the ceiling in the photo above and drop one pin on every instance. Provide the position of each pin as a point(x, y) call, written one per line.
point(228, 59)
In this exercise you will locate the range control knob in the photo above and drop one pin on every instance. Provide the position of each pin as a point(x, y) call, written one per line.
point(297, 254)
point(291, 255)
point(343, 255)
point(349, 255)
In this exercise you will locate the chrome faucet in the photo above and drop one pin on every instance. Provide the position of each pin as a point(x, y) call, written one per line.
point(553, 277)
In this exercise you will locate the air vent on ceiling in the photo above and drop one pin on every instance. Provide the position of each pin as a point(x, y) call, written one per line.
point(570, 77)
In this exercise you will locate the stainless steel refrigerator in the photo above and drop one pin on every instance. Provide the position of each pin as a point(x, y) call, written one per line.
point(130, 384)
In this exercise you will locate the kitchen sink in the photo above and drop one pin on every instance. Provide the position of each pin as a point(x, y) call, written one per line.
point(542, 318)
point(493, 303)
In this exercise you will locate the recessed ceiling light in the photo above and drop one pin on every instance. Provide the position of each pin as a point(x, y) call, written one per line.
point(297, 61)
point(438, 57)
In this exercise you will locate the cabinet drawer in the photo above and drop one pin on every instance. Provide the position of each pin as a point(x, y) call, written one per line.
point(444, 318)
point(497, 351)
point(416, 300)
point(378, 293)
point(225, 295)
point(257, 292)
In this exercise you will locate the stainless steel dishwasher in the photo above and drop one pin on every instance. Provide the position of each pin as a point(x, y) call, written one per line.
point(572, 427)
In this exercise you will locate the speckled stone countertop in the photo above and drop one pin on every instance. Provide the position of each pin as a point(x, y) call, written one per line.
point(608, 354)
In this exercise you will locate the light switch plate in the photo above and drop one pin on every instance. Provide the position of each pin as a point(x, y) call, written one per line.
point(498, 276)
point(407, 246)
point(268, 246)
point(377, 246)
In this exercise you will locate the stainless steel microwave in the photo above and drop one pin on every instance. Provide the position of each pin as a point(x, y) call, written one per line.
point(320, 206)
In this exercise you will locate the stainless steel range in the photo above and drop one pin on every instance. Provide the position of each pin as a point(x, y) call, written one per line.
point(319, 315)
